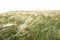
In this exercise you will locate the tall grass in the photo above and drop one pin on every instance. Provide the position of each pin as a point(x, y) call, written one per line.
point(29, 26)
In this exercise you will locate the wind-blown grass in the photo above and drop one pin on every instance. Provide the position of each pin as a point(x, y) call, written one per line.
point(25, 25)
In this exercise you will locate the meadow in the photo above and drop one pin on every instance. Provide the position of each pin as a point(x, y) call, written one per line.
point(30, 25)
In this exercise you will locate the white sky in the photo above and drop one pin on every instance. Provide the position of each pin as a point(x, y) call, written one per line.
point(10, 5)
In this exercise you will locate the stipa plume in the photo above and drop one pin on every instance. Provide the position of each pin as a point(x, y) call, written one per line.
point(30, 25)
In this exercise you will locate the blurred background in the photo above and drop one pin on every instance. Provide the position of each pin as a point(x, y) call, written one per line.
point(32, 5)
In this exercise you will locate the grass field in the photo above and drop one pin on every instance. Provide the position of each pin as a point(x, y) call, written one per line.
point(30, 25)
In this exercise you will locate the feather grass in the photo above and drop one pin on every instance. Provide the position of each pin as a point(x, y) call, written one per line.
point(27, 25)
